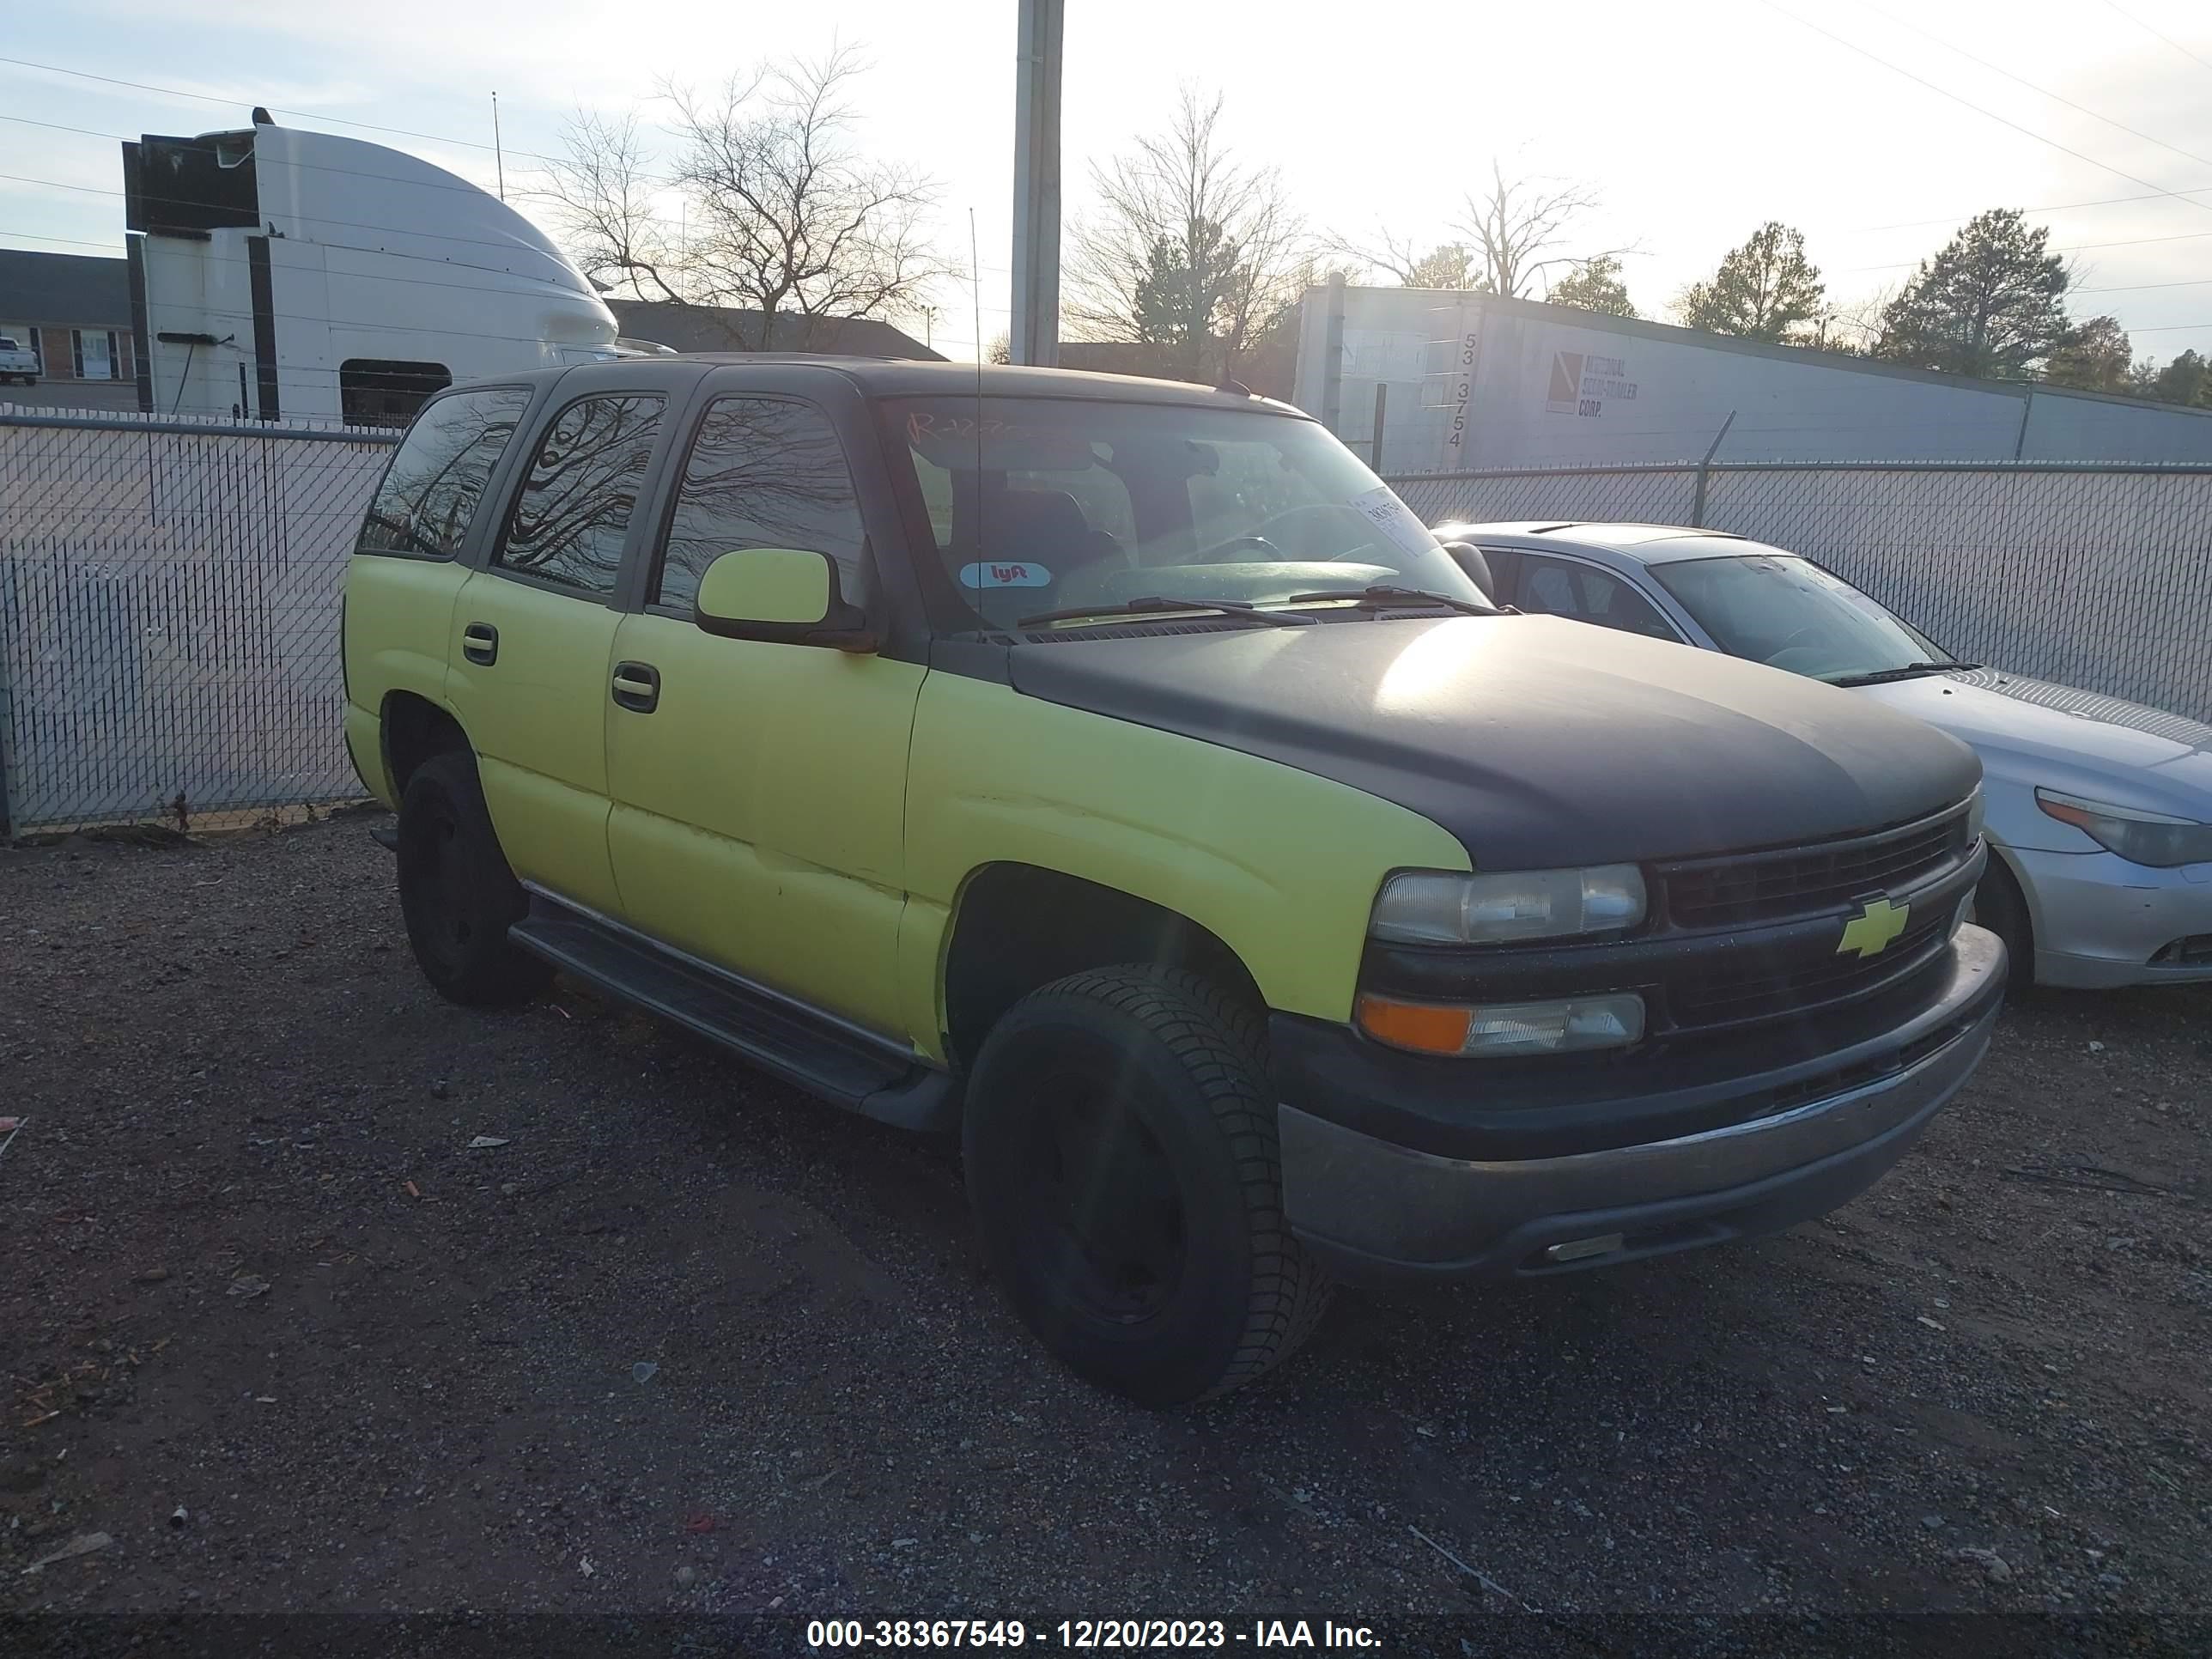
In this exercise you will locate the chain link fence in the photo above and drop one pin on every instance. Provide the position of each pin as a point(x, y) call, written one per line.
point(169, 616)
point(169, 589)
point(2095, 576)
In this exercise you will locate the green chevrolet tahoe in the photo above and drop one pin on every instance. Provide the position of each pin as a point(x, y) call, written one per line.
point(1116, 774)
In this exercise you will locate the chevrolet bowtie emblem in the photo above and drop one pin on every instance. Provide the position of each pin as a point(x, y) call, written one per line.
point(1874, 928)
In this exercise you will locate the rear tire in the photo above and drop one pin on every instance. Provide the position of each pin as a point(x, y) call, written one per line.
point(2000, 906)
point(1122, 1163)
point(456, 891)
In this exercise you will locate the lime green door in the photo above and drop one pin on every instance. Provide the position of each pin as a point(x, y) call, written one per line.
point(759, 790)
point(532, 645)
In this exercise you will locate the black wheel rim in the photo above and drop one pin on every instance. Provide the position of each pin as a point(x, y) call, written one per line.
point(1102, 1207)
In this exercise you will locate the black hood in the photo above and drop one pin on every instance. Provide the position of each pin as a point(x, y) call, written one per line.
point(1536, 741)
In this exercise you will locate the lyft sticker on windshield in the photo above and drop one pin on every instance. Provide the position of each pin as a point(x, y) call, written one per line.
point(1382, 508)
point(1024, 574)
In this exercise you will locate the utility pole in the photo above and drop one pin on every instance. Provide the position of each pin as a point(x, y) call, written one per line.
point(499, 156)
point(1034, 336)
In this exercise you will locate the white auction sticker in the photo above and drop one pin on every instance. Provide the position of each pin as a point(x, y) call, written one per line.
point(1396, 520)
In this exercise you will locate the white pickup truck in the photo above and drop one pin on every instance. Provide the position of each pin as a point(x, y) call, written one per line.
point(17, 362)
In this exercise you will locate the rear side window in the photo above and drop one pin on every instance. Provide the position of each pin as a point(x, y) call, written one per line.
point(1554, 588)
point(762, 472)
point(431, 489)
point(573, 512)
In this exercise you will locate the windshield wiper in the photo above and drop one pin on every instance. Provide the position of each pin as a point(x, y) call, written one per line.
point(1155, 602)
point(1910, 671)
point(1374, 599)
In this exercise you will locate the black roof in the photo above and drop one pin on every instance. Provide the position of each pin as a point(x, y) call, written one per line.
point(725, 328)
point(68, 290)
point(891, 378)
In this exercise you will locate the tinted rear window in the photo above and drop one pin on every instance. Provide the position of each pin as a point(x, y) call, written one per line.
point(572, 514)
point(430, 492)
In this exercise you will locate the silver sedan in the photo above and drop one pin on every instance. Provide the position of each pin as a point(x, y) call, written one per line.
point(2099, 810)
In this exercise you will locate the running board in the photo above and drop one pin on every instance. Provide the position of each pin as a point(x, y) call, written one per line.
point(826, 1056)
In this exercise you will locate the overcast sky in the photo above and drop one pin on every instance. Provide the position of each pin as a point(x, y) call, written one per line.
point(1695, 122)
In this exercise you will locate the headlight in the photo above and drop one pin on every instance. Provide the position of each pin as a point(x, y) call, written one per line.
point(1504, 1030)
point(1433, 907)
point(1978, 813)
point(2140, 837)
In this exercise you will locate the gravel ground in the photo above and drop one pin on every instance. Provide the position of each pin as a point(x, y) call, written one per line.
point(688, 1359)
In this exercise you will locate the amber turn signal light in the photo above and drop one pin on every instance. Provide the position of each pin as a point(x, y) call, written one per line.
point(1420, 1026)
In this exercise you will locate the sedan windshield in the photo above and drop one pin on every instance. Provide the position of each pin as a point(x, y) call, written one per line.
point(1787, 612)
point(1078, 506)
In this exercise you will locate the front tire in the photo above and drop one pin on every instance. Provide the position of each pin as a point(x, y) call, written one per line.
point(1122, 1163)
point(456, 891)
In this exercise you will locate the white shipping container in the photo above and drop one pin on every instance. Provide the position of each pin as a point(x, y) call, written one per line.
point(1474, 381)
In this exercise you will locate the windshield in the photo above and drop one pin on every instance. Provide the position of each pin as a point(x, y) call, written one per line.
point(1787, 612)
point(1053, 504)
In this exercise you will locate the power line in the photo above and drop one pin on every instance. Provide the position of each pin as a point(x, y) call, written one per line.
point(2137, 288)
point(507, 243)
point(2066, 247)
point(370, 276)
point(2059, 207)
point(318, 167)
point(1956, 98)
point(2041, 92)
point(2168, 38)
point(357, 172)
point(341, 276)
point(308, 114)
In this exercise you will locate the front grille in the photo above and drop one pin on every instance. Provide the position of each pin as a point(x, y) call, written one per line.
point(1761, 992)
point(1799, 880)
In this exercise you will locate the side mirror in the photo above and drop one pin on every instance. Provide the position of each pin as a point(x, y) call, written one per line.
point(1468, 557)
point(781, 595)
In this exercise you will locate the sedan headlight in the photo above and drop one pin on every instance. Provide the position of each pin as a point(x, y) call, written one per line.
point(2140, 837)
point(1434, 907)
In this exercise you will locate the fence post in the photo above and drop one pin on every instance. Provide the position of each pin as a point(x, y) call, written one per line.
point(7, 724)
point(1697, 501)
point(1375, 440)
point(1332, 355)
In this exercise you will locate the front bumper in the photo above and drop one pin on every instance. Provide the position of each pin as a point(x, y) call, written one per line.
point(1375, 1208)
point(2099, 920)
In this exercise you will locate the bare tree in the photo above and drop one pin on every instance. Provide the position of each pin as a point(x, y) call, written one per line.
point(1447, 265)
point(1520, 228)
point(781, 213)
point(1188, 250)
point(1854, 327)
point(1506, 240)
point(608, 206)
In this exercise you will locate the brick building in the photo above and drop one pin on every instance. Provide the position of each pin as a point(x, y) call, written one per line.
point(73, 309)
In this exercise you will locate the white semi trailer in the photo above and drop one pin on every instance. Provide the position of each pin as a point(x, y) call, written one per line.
point(276, 272)
point(1470, 381)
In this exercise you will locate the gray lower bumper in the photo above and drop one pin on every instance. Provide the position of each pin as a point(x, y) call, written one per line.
point(1373, 1209)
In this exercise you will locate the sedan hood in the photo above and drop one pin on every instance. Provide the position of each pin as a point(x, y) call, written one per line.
point(1536, 741)
point(2033, 732)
